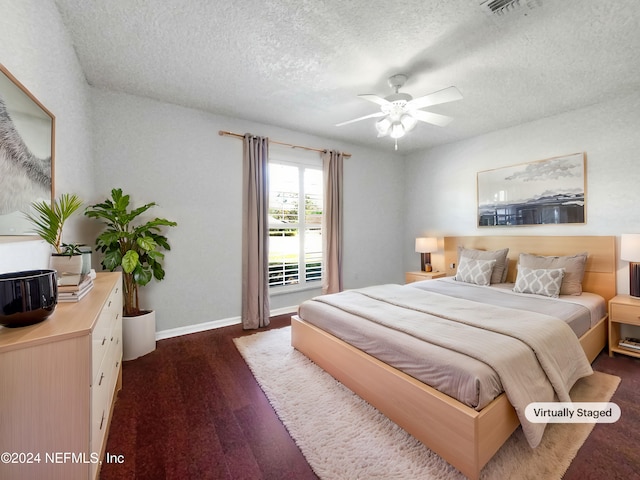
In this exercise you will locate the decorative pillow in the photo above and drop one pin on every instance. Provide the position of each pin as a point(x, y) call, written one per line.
point(499, 274)
point(542, 281)
point(573, 269)
point(475, 271)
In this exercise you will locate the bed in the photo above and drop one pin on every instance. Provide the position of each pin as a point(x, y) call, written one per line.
point(466, 436)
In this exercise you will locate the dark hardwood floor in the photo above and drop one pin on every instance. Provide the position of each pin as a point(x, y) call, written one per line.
point(192, 410)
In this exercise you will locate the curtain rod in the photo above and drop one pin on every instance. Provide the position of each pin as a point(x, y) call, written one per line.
point(290, 145)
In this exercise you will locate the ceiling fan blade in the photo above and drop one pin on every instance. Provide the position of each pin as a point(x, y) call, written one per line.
point(373, 115)
point(450, 94)
point(374, 98)
point(430, 117)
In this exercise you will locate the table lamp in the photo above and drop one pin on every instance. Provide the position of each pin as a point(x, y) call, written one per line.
point(630, 251)
point(426, 245)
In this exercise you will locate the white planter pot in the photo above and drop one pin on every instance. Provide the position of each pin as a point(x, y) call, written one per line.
point(138, 335)
point(66, 264)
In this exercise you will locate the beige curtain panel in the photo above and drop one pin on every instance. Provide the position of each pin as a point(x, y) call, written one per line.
point(255, 232)
point(332, 222)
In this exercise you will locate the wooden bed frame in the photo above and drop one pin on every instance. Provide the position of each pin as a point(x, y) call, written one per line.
point(464, 437)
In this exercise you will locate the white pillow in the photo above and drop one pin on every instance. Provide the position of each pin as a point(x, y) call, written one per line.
point(471, 270)
point(540, 281)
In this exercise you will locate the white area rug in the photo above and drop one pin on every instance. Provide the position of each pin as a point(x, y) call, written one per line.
point(343, 437)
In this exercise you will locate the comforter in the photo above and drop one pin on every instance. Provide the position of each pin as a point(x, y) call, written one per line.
point(537, 357)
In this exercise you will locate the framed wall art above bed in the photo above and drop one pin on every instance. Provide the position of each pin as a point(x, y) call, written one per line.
point(550, 191)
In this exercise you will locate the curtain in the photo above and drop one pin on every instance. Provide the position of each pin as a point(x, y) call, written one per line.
point(255, 232)
point(332, 222)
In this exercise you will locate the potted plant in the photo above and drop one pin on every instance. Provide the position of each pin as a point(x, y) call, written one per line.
point(135, 246)
point(48, 220)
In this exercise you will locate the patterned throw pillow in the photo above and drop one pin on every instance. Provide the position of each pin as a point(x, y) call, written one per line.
point(499, 274)
point(541, 281)
point(475, 271)
point(573, 265)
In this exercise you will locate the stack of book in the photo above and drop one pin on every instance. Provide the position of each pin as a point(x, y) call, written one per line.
point(630, 343)
point(72, 288)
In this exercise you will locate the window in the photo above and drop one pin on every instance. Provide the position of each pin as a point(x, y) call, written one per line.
point(295, 224)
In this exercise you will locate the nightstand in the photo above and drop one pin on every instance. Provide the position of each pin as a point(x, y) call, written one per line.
point(623, 310)
point(410, 277)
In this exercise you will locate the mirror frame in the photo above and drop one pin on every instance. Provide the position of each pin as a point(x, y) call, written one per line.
point(12, 225)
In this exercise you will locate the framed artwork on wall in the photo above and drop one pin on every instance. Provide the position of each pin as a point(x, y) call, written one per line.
point(550, 191)
point(27, 146)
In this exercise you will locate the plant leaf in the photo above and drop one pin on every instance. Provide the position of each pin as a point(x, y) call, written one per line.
point(130, 261)
point(112, 260)
point(146, 243)
point(142, 276)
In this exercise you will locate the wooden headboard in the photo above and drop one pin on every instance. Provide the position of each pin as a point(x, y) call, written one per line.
point(600, 271)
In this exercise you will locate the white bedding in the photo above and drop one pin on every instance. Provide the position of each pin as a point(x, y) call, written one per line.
point(593, 306)
point(468, 379)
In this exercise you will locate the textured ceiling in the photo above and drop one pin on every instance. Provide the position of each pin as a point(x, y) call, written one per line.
point(300, 64)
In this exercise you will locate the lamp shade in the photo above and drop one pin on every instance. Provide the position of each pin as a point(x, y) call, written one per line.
point(408, 122)
point(426, 244)
point(397, 130)
point(383, 126)
point(630, 247)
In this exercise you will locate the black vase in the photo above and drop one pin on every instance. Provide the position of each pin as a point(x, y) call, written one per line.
point(27, 297)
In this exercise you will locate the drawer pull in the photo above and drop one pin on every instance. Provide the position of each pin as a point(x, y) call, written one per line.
point(117, 363)
point(102, 421)
point(109, 304)
point(104, 340)
point(101, 377)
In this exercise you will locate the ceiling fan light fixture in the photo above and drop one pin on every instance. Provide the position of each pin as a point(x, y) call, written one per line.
point(408, 122)
point(383, 126)
point(400, 112)
point(397, 130)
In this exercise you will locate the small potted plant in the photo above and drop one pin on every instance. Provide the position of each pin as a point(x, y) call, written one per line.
point(48, 220)
point(134, 246)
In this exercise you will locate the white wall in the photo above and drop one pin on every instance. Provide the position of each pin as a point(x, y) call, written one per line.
point(172, 155)
point(441, 182)
point(36, 49)
point(175, 157)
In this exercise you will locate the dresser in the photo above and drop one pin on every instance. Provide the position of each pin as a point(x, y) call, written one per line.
point(58, 383)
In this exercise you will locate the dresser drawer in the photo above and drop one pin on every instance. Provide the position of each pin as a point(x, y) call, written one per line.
point(625, 314)
point(99, 410)
point(102, 334)
point(103, 389)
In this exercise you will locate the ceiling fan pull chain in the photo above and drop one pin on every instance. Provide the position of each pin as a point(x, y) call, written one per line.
point(396, 144)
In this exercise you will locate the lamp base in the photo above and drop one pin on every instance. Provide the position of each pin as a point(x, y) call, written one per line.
point(634, 279)
point(426, 262)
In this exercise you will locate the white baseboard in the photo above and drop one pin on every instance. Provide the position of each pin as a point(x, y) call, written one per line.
point(224, 322)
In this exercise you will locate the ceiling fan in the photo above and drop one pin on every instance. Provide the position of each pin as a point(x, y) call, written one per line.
point(401, 112)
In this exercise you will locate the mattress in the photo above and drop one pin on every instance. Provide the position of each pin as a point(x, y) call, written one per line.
point(466, 379)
